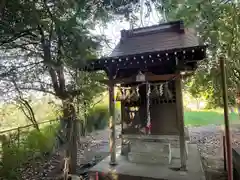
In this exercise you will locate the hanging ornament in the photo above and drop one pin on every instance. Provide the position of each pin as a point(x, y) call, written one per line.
point(154, 92)
point(148, 127)
point(167, 92)
point(140, 77)
point(131, 114)
point(137, 91)
point(161, 89)
point(127, 95)
point(123, 93)
point(134, 96)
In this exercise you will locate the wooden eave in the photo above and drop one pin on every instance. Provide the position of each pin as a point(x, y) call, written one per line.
point(148, 59)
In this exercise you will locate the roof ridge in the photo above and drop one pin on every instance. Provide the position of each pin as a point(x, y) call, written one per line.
point(158, 25)
point(177, 26)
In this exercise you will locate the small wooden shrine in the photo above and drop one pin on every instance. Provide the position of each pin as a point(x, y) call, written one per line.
point(146, 68)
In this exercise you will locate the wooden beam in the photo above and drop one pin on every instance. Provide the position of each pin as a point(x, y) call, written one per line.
point(149, 77)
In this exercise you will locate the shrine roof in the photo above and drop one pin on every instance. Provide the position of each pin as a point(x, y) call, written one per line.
point(160, 37)
point(159, 46)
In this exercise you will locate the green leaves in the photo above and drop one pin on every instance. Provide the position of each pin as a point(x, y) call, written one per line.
point(55, 36)
point(218, 25)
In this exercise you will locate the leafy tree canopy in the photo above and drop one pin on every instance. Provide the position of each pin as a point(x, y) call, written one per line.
point(43, 41)
point(217, 23)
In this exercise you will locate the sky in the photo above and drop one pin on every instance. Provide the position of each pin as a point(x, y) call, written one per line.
point(113, 29)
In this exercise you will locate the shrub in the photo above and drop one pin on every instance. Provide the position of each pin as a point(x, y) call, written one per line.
point(98, 117)
point(33, 144)
point(40, 142)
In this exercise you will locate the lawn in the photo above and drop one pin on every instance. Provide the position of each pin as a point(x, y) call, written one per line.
point(206, 117)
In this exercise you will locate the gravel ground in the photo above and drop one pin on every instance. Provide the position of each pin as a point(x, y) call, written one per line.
point(208, 138)
point(210, 145)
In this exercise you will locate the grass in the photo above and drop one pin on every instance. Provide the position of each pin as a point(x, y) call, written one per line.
point(206, 117)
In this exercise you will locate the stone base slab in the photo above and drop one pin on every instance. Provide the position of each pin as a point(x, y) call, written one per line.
point(149, 147)
point(125, 170)
point(150, 153)
point(155, 145)
point(143, 158)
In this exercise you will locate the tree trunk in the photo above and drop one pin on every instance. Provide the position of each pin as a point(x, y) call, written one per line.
point(56, 72)
point(69, 114)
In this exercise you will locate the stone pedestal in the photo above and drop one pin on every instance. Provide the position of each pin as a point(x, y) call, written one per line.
point(150, 152)
point(153, 149)
point(125, 170)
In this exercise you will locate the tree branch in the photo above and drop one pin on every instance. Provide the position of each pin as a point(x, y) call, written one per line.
point(38, 89)
point(18, 35)
point(30, 115)
point(52, 18)
point(93, 105)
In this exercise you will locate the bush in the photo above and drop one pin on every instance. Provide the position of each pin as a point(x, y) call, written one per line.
point(33, 144)
point(40, 142)
point(98, 117)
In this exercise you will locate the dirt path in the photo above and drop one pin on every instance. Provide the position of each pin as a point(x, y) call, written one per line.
point(96, 146)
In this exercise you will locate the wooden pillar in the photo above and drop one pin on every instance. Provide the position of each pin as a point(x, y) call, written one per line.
point(112, 138)
point(122, 116)
point(180, 119)
point(226, 120)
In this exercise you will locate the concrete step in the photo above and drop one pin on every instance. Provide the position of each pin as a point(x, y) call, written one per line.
point(150, 147)
point(150, 152)
point(145, 158)
point(172, 139)
point(156, 148)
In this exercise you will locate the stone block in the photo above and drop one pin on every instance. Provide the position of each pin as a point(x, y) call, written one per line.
point(145, 158)
point(150, 153)
point(176, 151)
point(154, 148)
point(149, 147)
point(236, 162)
